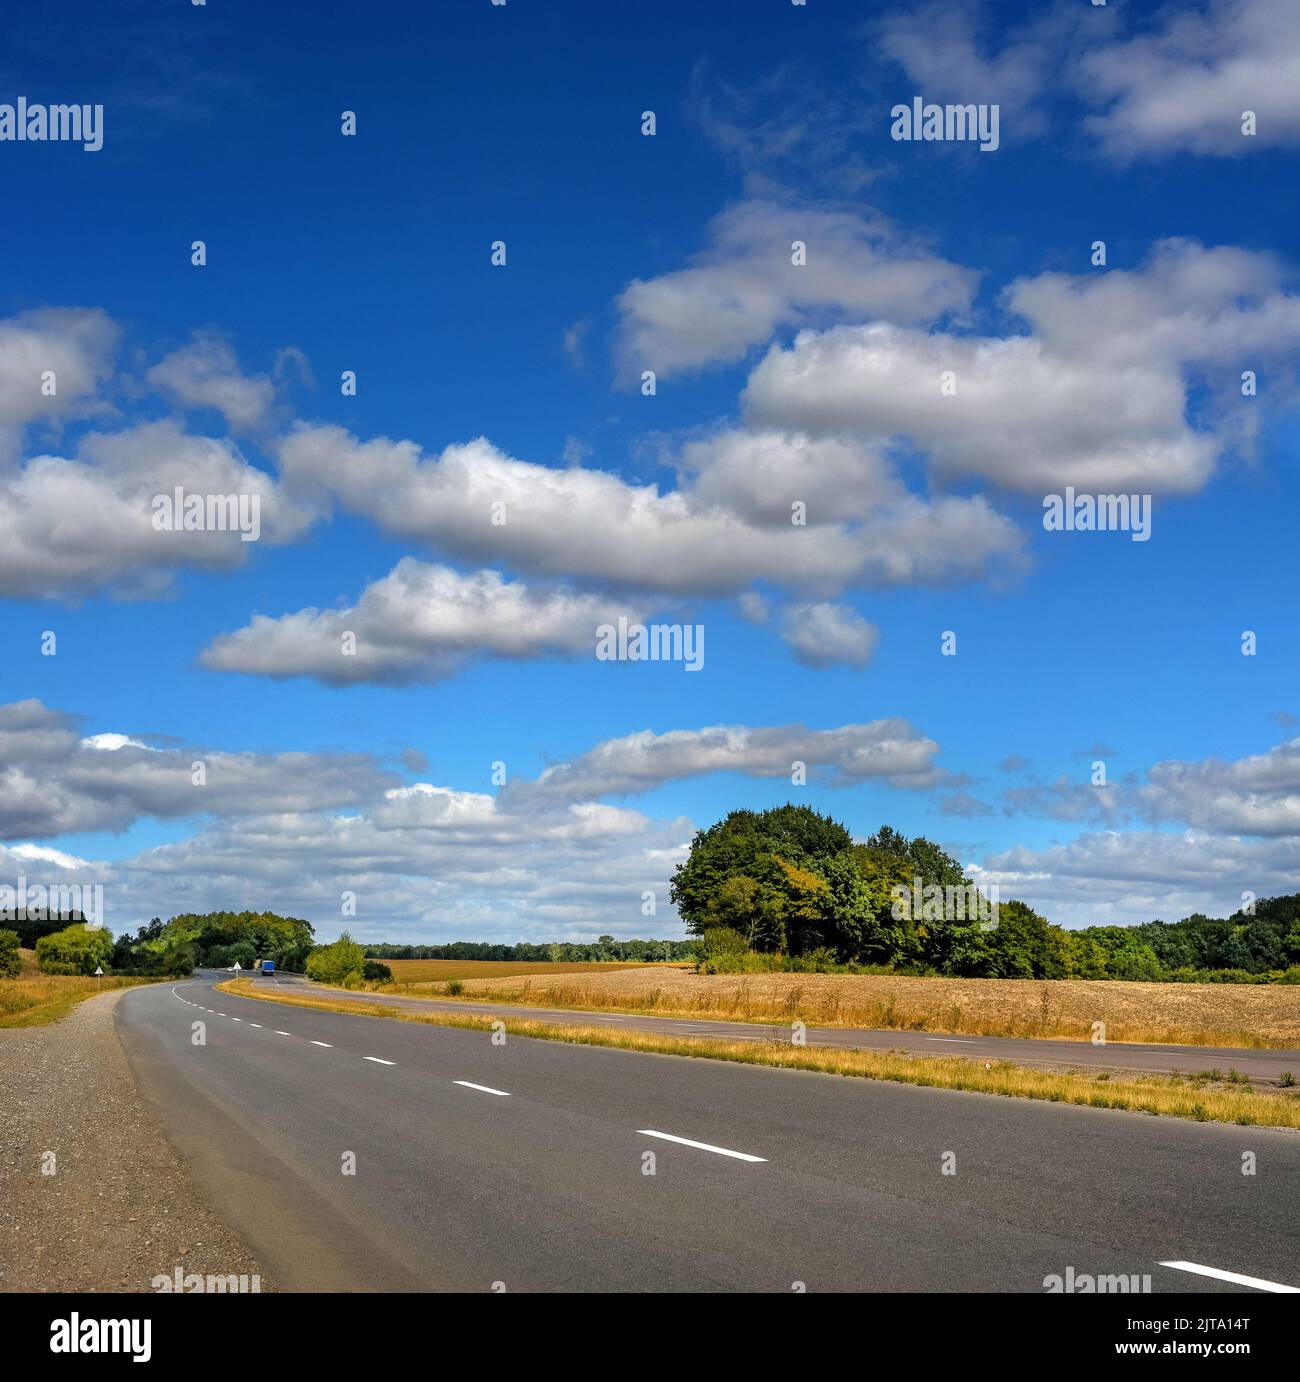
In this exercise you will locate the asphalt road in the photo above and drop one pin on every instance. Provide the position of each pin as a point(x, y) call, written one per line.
point(1258, 1066)
point(523, 1166)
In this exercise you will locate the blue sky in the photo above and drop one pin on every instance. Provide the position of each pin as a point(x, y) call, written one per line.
point(775, 384)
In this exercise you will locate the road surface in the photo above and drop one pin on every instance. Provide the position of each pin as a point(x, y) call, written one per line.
point(524, 1166)
point(1258, 1066)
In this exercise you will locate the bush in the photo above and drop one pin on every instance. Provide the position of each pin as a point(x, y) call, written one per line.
point(455, 987)
point(376, 973)
point(75, 950)
point(337, 963)
point(11, 964)
point(718, 941)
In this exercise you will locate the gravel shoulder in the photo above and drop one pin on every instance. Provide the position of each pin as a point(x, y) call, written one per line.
point(120, 1208)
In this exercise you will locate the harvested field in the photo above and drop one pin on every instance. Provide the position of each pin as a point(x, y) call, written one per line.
point(1255, 1015)
point(425, 971)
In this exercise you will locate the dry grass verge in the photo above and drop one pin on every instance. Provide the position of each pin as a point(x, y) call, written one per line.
point(34, 998)
point(1176, 1096)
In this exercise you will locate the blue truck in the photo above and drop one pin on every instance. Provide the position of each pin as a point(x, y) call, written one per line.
point(268, 966)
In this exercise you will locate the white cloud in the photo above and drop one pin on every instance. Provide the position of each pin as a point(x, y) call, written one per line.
point(53, 781)
point(420, 623)
point(1184, 85)
point(827, 635)
point(710, 536)
point(205, 374)
point(69, 526)
point(1096, 395)
point(744, 287)
point(74, 344)
point(1121, 878)
point(891, 750)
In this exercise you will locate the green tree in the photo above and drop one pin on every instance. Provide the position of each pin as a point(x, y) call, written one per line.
point(75, 950)
point(11, 964)
point(339, 963)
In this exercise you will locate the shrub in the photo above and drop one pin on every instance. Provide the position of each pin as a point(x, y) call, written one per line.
point(11, 964)
point(337, 963)
point(75, 950)
point(375, 972)
point(455, 987)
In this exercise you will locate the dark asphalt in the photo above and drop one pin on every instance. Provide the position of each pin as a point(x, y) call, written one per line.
point(1258, 1066)
point(457, 1188)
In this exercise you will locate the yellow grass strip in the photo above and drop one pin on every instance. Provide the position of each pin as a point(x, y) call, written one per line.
point(34, 1000)
point(1170, 1095)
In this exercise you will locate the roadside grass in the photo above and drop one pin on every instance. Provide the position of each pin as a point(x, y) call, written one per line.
point(1035, 1010)
point(1198, 1097)
point(34, 999)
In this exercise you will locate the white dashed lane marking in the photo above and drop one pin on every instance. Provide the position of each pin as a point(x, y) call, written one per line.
point(483, 1089)
point(1237, 1279)
point(702, 1146)
point(323, 1043)
point(377, 1061)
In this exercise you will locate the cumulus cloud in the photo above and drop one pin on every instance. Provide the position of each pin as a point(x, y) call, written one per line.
point(69, 526)
point(743, 287)
point(828, 635)
point(890, 751)
point(709, 536)
point(420, 623)
point(53, 780)
point(73, 345)
point(206, 374)
point(1095, 395)
point(948, 58)
point(1183, 86)
point(1120, 878)
point(1258, 794)
point(1255, 795)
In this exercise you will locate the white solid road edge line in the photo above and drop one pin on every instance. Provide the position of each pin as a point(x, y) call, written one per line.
point(377, 1061)
point(703, 1146)
point(1235, 1277)
point(483, 1089)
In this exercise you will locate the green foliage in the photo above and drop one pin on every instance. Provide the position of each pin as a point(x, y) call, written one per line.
point(75, 950)
point(11, 964)
point(340, 963)
point(555, 952)
point(376, 973)
point(215, 940)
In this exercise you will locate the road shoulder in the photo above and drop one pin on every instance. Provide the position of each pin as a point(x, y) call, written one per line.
point(95, 1198)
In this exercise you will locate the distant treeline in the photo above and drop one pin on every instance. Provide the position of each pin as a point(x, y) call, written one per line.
point(606, 948)
point(788, 889)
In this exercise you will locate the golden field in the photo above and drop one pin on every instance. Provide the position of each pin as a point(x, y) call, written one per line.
point(1196, 1097)
point(430, 971)
point(1253, 1015)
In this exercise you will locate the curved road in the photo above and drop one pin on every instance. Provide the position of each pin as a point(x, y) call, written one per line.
point(525, 1166)
point(1258, 1065)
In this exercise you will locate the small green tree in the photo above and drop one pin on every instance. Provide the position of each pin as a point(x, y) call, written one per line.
point(11, 964)
point(337, 963)
point(75, 950)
